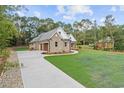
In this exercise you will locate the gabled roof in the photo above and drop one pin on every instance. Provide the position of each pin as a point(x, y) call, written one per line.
point(62, 33)
point(72, 38)
point(49, 34)
point(44, 36)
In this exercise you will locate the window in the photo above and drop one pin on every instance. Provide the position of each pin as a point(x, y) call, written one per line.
point(65, 44)
point(56, 35)
point(59, 32)
point(56, 44)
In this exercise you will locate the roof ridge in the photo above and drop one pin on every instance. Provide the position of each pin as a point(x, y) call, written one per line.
point(49, 34)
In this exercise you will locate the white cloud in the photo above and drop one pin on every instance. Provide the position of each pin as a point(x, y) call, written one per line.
point(20, 13)
point(102, 19)
point(78, 9)
point(37, 14)
point(68, 17)
point(72, 10)
point(122, 8)
point(113, 9)
point(93, 19)
point(61, 9)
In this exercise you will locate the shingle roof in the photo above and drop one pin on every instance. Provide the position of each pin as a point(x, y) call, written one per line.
point(44, 36)
point(49, 34)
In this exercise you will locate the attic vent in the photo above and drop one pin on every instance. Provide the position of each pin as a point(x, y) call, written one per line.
point(59, 32)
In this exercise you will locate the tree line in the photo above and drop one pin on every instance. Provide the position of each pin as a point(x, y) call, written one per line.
point(16, 30)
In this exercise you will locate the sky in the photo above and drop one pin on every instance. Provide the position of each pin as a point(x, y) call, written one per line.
point(69, 13)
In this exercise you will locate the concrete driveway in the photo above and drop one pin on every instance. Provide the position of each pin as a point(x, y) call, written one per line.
point(39, 73)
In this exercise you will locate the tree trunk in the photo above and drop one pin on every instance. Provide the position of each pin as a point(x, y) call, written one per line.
point(112, 37)
point(113, 44)
point(84, 39)
point(83, 42)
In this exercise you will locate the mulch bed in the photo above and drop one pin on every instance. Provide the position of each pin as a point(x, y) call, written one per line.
point(2, 62)
point(10, 78)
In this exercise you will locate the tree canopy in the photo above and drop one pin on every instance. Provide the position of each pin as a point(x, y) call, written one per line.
point(7, 27)
point(16, 30)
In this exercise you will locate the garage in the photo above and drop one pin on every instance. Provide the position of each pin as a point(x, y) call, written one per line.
point(45, 46)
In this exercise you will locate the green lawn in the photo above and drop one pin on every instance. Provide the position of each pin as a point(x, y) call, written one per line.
point(92, 68)
point(21, 48)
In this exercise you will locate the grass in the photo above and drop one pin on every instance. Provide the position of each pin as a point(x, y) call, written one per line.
point(92, 68)
point(21, 48)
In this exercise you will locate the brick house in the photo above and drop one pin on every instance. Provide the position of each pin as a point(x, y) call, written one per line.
point(54, 41)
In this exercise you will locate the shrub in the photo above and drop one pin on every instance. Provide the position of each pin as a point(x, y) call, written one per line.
point(5, 53)
point(9, 65)
point(3, 56)
point(79, 47)
point(119, 44)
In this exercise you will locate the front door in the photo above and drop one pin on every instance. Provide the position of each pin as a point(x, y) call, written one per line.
point(45, 46)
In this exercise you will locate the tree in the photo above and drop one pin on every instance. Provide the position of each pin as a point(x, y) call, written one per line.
point(95, 30)
point(47, 25)
point(119, 37)
point(85, 25)
point(7, 28)
point(109, 24)
point(101, 32)
point(68, 28)
point(27, 28)
point(32, 25)
point(76, 32)
point(60, 24)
